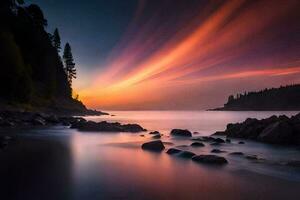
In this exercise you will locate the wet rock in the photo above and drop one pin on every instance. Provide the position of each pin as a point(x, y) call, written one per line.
point(236, 153)
point(197, 144)
point(241, 142)
point(142, 135)
point(173, 151)
point(210, 159)
point(219, 140)
point(153, 146)
point(216, 144)
point(39, 121)
point(217, 151)
point(219, 133)
point(196, 133)
point(107, 127)
point(186, 154)
point(156, 136)
point(277, 133)
point(182, 146)
point(181, 133)
point(252, 157)
point(208, 139)
point(154, 133)
point(197, 139)
point(228, 140)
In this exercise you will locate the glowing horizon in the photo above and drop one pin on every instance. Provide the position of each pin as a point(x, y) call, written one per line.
point(214, 47)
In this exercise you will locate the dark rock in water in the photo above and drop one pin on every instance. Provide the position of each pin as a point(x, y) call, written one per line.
point(241, 142)
point(107, 127)
point(219, 140)
point(186, 154)
point(197, 144)
point(278, 132)
point(215, 143)
point(228, 140)
point(293, 163)
point(154, 132)
point(173, 151)
point(156, 136)
point(217, 151)
point(236, 153)
point(197, 139)
point(181, 133)
point(221, 133)
point(196, 133)
point(252, 157)
point(142, 135)
point(153, 146)
point(275, 130)
point(168, 143)
point(207, 139)
point(210, 159)
point(183, 146)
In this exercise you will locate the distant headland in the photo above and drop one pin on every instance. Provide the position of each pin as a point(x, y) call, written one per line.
point(283, 98)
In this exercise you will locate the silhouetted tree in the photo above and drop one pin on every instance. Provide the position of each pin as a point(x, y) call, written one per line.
point(37, 15)
point(56, 40)
point(69, 63)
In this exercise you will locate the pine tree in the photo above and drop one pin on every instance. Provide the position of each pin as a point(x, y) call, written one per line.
point(56, 40)
point(69, 63)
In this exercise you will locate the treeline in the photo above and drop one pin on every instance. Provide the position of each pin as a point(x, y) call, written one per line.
point(32, 69)
point(283, 98)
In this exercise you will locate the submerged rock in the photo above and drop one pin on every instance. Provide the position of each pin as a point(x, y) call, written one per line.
point(241, 142)
point(197, 144)
point(186, 154)
point(107, 127)
point(181, 133)
point(153, 146)
point(252, 157)
point(173, 151)
point(217, 151)
point(210, 159)
point(156, 136)
point(219, 140)
point(154, 133)
point(236, 153)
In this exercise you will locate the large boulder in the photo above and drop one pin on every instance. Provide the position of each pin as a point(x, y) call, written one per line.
point(210, 159)
point(153, 146)
point(277, 133)
point(181, 133)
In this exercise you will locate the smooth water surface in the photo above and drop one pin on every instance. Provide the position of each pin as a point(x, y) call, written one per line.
point(62, 163)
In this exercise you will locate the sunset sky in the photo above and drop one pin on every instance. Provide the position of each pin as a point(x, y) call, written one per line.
point(175, 54)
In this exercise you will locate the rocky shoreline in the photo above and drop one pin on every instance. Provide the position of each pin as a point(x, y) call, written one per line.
point(274, 130)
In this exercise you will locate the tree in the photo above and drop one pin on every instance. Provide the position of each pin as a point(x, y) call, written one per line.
point(69, 63)
point(37, 15)
point(56, 40)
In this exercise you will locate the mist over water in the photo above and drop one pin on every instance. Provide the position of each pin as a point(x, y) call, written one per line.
point(81, 165)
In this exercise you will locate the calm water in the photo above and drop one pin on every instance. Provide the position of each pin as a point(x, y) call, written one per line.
point(60, 163)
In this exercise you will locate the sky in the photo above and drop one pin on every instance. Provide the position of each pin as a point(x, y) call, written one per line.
point(175, 54)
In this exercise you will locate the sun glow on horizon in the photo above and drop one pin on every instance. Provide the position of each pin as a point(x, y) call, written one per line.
point(214, 46)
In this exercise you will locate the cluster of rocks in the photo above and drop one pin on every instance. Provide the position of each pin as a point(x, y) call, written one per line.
point(83, 125)
point(274, 130)
point(158, 146)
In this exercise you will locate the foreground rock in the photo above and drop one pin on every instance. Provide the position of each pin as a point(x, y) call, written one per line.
point(274, 130)
point(181, 133)
point(153, 146)
point(107, 127)
point(173, 151)
point(210, 159)
point(197, 144)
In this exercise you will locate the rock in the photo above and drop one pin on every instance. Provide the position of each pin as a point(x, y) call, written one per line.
point(221, 133)
point(252, 157)
point(217, 151)
point(39, 121)
point(277, 133)
point(154, 132)
point(153, 146)
point(228, 140)
point(236, 153)
point(168, 143)
point(208, 139)
point(183, 146)
point(215, 144)
point(106, 127)
point(181, 133)
point(219, 140)
point(142, 135)
point(173, 151)
point(52, 119)
point(241, 142)
point(196, 133)
point(197, 139)
point(156, 136)
point(210, 159)
point(293, 163)
point(186, 154)
point(197, 144)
